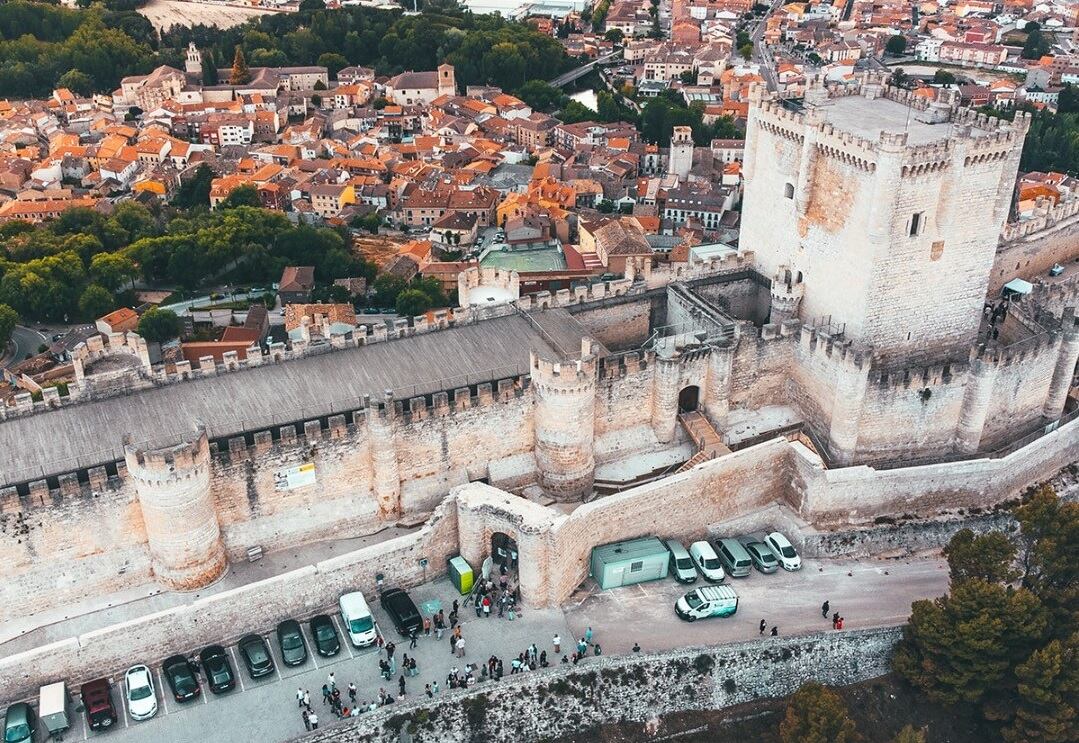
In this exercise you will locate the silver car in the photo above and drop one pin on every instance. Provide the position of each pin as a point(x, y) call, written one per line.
point(763, 557)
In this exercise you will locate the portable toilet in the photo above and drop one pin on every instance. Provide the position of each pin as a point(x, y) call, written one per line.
point(629, 562)
point(461, 574)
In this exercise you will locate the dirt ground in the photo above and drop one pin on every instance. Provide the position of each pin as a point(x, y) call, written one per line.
point(378, 249)
point(880, 708)
point(167, 13)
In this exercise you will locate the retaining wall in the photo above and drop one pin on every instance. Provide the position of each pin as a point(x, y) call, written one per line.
point(563, 701)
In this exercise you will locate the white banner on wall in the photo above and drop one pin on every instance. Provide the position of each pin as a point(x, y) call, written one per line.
point(291, 478)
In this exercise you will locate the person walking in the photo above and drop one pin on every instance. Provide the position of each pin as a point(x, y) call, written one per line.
point(835, 621)
point(427, 691)
point(332, 681)
point(412, 667)
point(839, 624)
point(401, 685)
point(306, 721)
point(515, 666)
point(352, 693)
point(299, 697)
point(588, 636)
point(390, 649)
point(764, 626)
point(307, 699)
point(824, 610)
point(775, 631)
point(313, 719)
point(557, 642)
point(455, 606)
point(486, 607)
point(325, 694)
point(426, 627)
point(440, 625)
point(460, 647)
point(434, 686)
point(412, 639)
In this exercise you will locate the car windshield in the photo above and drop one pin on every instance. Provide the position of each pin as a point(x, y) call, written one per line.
point(684, 564)
point(693, 600)
point(16, 733)
point(363, 624)
point(291, 642)
point(140, 692)
point(712, 563)
point(255, 653)
point(766, 556)
point(185, 684)
point(789, 552)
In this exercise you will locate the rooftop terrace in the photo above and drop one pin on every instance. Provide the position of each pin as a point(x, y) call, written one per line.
point(868, 118)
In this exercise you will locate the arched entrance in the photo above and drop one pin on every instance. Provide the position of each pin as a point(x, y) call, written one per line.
point(504, 550)
point(689, 398)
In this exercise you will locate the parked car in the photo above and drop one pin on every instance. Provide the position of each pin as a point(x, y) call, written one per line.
point(402, 610)
point(681, 563)
point(707, 601)
point(359, 624)
point(181, 679)
point(704, 557)
point(325, 634)
point(215, 663)
point(736, 561)
point(97, 700)
point(784, 551)
point(290, 641)
point(256, 656)
point(763, 558)
point(20, 723)
point(140, 693)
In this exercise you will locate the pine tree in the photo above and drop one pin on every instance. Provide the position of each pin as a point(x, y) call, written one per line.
point(1048, 694)
point(209, 68)
point(240, 74)
point(909, 734)
point(816, 714)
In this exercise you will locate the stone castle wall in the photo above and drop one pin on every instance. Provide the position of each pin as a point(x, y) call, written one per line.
point(573, 700)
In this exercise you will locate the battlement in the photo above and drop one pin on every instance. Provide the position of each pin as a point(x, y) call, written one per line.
point(631, 362)
point(99, 347)
point(170, 462)
point(1047, 216)
point(1019, 352)
point(504, 281)
point(669, 273)
point(578, 295)
point(824, 343)
point(915, 377)
point(545, 371)
point(772, 331)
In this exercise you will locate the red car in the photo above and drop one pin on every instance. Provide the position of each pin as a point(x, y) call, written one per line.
point(97, 699)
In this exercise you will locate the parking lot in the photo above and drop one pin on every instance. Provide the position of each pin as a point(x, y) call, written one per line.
point(866, 592)
point(266, 710)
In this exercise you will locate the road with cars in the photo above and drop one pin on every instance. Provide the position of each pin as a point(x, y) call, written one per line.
point(868, 593)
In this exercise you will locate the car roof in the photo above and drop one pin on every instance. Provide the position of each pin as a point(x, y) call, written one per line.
point(248, 639)
point(290, 624)
point(18, 712)
point(321, 619)
point(778, 538)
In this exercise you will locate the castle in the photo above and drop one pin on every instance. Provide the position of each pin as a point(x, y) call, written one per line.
point(854, 331)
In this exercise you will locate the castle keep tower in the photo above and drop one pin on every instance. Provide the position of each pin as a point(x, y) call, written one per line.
point(681, 155)
point(565, 423)
point(888, 206)
point(173, 486)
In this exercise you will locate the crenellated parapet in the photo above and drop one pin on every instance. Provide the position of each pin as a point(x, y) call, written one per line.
point(613, 368)
point(1046, 216)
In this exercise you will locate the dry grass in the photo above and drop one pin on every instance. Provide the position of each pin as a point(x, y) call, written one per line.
point(164, 14)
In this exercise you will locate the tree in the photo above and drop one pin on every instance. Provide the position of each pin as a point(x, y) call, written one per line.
point(1068, 100)
point(1049, 529)
point(159, 325)
point(899, 78)
point(896, 45)
point(539, 95)
point(240, 74)
point(1048, 694)
point(195, 191)
point(387, 287)
point(96, 301)
point(746, 50)
point(112, 270)
point(333, 62)
point(209, 67)
point(77, 81)
point(412, 302)
point(909, 734)
point(575, 111)
point(1036, 46)
point(245, 195)
point(985, 556)
point(615, 35)
point(9, 318)
point(963, 648)
point(816, 714)
point(943, 77)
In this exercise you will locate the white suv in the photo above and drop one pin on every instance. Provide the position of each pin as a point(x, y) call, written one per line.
point(140, 693)
point(784, 550)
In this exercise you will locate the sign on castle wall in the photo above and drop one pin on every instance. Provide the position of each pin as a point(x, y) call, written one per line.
point(291, 478)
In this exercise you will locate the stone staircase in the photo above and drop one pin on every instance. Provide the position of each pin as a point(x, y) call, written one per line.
point(704, 436)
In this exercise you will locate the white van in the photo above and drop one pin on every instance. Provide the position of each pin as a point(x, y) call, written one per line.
point(706, 560)
point(359, 624)
point(707, 601)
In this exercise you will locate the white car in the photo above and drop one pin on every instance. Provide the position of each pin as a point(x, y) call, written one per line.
point(140, 693)
point(784, 551)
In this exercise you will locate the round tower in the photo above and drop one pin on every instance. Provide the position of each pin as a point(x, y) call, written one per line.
point(666, 383)
point(984, 367)
point(1064, 371)
point(564, 423)
point(787, 289)
point(173, 485)
point(851, 384)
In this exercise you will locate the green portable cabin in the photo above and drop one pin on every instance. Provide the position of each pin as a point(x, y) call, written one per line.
point(629, 562)
point(460, 573)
